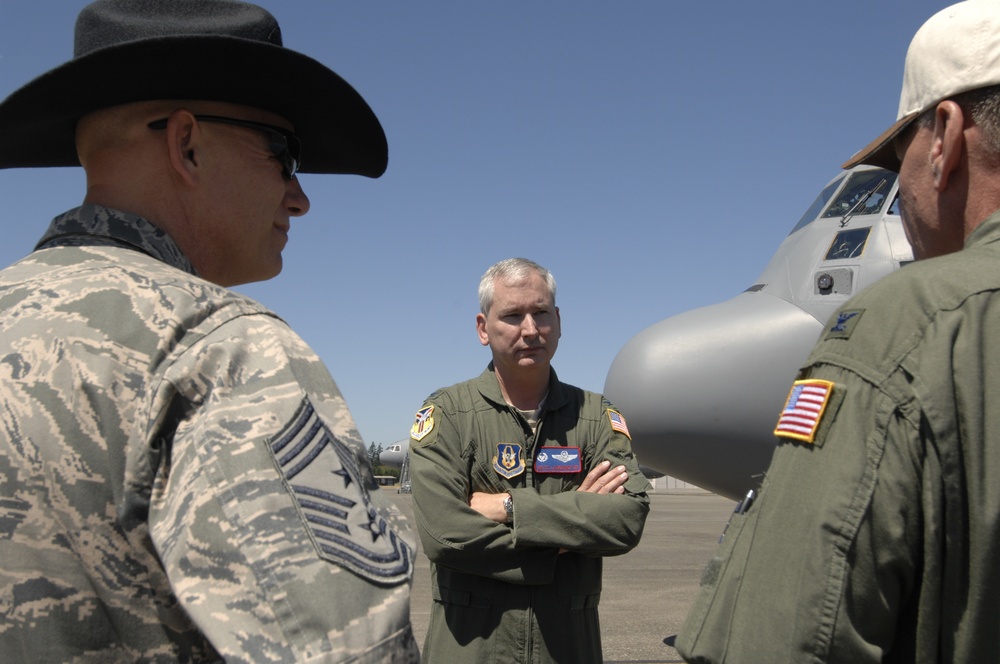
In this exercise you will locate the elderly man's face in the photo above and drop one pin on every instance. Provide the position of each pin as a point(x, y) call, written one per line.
point(248, 204)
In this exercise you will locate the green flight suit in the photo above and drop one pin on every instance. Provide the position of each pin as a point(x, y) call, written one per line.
point(503, 593)
point(879, 540)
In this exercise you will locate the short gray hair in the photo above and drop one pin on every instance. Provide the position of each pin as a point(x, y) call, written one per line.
point(511, 269)
point(983, 105)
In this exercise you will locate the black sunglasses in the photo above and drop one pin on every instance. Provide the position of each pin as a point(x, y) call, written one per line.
point(285, 145)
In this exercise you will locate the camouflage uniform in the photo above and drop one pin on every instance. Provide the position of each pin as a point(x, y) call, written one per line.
point(504, 593)
point(878, 540)
point(180, 479)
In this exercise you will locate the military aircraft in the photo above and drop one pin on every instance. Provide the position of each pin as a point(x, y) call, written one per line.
point(395, 454)
point(702, 390)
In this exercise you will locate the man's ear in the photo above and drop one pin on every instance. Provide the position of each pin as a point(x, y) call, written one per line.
point(183, 145)
point(947, 142)
point(484, 337)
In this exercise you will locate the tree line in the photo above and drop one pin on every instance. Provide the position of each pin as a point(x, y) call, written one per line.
point(374, 452)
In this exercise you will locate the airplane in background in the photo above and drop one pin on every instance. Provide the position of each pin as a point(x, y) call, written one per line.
point(703, 390)
point(395, 454)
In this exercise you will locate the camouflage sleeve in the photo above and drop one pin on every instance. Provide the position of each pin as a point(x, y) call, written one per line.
point(263, 510)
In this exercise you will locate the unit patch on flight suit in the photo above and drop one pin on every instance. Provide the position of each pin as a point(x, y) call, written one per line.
point(423, 424)
point(807, 402)
point(558, 460)
point(508, 462)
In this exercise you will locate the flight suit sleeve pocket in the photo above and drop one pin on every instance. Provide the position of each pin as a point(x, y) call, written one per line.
point(705, 632)
point(829, 415)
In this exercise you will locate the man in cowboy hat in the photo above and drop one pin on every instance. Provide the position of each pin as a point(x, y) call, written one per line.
point(877, 530)
point(180, 479)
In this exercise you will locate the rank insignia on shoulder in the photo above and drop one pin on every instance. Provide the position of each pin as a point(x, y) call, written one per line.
point(423, 423)
point(843, 327)
point(803, 412)
point(618, 422)
point(558, 460)
point(508, 462)
point(323, 477)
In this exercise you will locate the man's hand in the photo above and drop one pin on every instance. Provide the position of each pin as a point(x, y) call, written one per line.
point(604, 479)
point(489, 505)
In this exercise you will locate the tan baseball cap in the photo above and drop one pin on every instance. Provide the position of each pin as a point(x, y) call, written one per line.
point(956, 50)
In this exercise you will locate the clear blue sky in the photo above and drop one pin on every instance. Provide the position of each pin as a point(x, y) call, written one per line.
point(651, 153)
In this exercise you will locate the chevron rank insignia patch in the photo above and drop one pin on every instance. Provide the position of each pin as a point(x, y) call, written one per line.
point(325, 481)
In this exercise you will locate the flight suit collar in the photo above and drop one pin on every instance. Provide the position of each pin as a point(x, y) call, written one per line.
point(489, 387)
point(986, 232)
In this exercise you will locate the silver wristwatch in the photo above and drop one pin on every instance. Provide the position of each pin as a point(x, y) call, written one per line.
point(508, 504)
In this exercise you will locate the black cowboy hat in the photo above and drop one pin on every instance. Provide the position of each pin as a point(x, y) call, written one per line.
point(219, 50)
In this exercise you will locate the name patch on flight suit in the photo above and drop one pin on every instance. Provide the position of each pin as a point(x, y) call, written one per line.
point(803, 412)
point(558, 460)
point(423, 424)
point(508, 462)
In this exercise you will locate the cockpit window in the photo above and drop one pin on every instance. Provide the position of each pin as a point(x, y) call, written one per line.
point(848, 244)
point(818, 204)
point(864, 192)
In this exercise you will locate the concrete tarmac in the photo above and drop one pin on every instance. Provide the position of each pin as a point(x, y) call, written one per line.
point(647, 592)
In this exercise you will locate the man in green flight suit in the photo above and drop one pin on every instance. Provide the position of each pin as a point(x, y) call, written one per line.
point(521, 483)
point(877, 530)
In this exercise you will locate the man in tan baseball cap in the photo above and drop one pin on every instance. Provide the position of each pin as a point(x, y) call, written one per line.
point(874, 538)
point(956, 50)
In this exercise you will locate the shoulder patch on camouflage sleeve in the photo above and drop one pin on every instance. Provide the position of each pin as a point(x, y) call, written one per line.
point(325, 481)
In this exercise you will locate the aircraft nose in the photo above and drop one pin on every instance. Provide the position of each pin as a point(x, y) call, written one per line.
point(702, 390)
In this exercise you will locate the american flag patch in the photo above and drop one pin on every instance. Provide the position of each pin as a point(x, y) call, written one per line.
point(618, 422)
point(804, 409)
point(326, 481)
